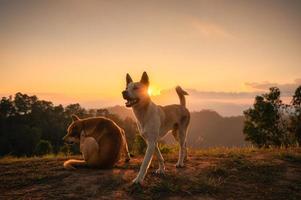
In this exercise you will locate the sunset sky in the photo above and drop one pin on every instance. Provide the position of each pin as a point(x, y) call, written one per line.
point(223, 52)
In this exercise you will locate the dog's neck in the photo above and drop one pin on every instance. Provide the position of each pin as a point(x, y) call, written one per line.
point(141, 109)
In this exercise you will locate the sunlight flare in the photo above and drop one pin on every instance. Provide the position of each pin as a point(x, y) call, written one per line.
point(153, 91)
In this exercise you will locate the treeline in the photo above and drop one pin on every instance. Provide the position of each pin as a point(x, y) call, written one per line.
point(29, 126)
point(272, 123)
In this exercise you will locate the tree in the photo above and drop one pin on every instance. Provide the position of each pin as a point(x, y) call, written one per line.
point(23, 103)
point(6, 107)
point(26, 121)
point(296, 101)
point(295, 126)
point(263, 124)
point(75, 109)
point(43, 147)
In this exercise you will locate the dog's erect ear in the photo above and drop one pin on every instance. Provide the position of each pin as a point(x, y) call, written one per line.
point(128, 79)
point(75, 118)
point(144, 79)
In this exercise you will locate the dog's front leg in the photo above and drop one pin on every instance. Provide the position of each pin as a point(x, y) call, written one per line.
point(161, 161)
point(146, 162)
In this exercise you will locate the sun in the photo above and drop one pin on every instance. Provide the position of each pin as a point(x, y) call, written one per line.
point(153, 91)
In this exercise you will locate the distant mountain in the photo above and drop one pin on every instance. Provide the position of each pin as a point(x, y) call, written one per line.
point(121, 111)
point(207, 128)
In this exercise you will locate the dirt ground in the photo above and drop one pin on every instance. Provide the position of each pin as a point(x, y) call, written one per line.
point(209, 174)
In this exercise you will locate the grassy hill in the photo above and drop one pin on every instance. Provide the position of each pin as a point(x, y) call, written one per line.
point(221, 173)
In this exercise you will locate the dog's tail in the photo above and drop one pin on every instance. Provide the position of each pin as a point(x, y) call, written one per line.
point(72, 163)
point(181, 93)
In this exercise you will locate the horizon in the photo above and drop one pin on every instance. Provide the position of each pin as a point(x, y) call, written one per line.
point(223, 52)
point(226, 104)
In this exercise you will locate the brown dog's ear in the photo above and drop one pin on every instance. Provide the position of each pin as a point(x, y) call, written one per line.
point(74, 118)
point(144, 79)
point(128, 79)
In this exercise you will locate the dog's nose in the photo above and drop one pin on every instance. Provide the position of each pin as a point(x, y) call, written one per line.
point(125, 94)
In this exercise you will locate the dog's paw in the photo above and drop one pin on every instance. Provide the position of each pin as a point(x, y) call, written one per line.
point(135, 188)
point(160, 172)
point(137, 181)
point(179, 165)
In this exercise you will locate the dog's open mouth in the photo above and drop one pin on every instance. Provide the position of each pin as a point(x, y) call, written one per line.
point(69, 142)
point(131, 102)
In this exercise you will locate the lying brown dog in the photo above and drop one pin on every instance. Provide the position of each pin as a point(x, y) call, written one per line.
point(102, 142)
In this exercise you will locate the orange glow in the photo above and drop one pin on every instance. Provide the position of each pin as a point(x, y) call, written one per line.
point(153, 91)
point(81, 52)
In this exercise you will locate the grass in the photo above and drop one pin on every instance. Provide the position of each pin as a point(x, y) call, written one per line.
point(217, 173)
point(289, 156)
point(10, 159)
point(228, 151)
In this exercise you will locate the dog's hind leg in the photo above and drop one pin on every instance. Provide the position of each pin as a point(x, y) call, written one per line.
point(183, 149)
point(176, 136)
point(186, 151)
point(161, 161)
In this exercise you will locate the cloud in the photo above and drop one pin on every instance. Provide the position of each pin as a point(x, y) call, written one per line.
point(212, 94)
point(209, 29)
point(285, 88)
point(225, 103)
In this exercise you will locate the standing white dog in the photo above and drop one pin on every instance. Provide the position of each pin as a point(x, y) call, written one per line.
point(155, 121)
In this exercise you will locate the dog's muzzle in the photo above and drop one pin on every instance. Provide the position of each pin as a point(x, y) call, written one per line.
point(67, 141)
point(129, 101)
point(125, 95)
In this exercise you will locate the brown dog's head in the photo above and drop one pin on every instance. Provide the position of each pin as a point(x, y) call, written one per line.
point(73, 132)
point(136, 92)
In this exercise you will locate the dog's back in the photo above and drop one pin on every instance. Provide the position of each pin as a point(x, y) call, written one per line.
point(101, 142)
point(176, 114)
point(109, 138)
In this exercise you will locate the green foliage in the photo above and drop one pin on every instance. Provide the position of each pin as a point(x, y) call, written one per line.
point(295, 126)
point(66, 150)
point(290, 156)
point(271, 123)
point(6, 107)
point(262, 122)
point(139, 145)
point(296, 101)
point(25, 120)
point(165, 149)
point(43, 147)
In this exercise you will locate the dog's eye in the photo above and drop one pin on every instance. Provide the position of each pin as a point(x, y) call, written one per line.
point(135, 88)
